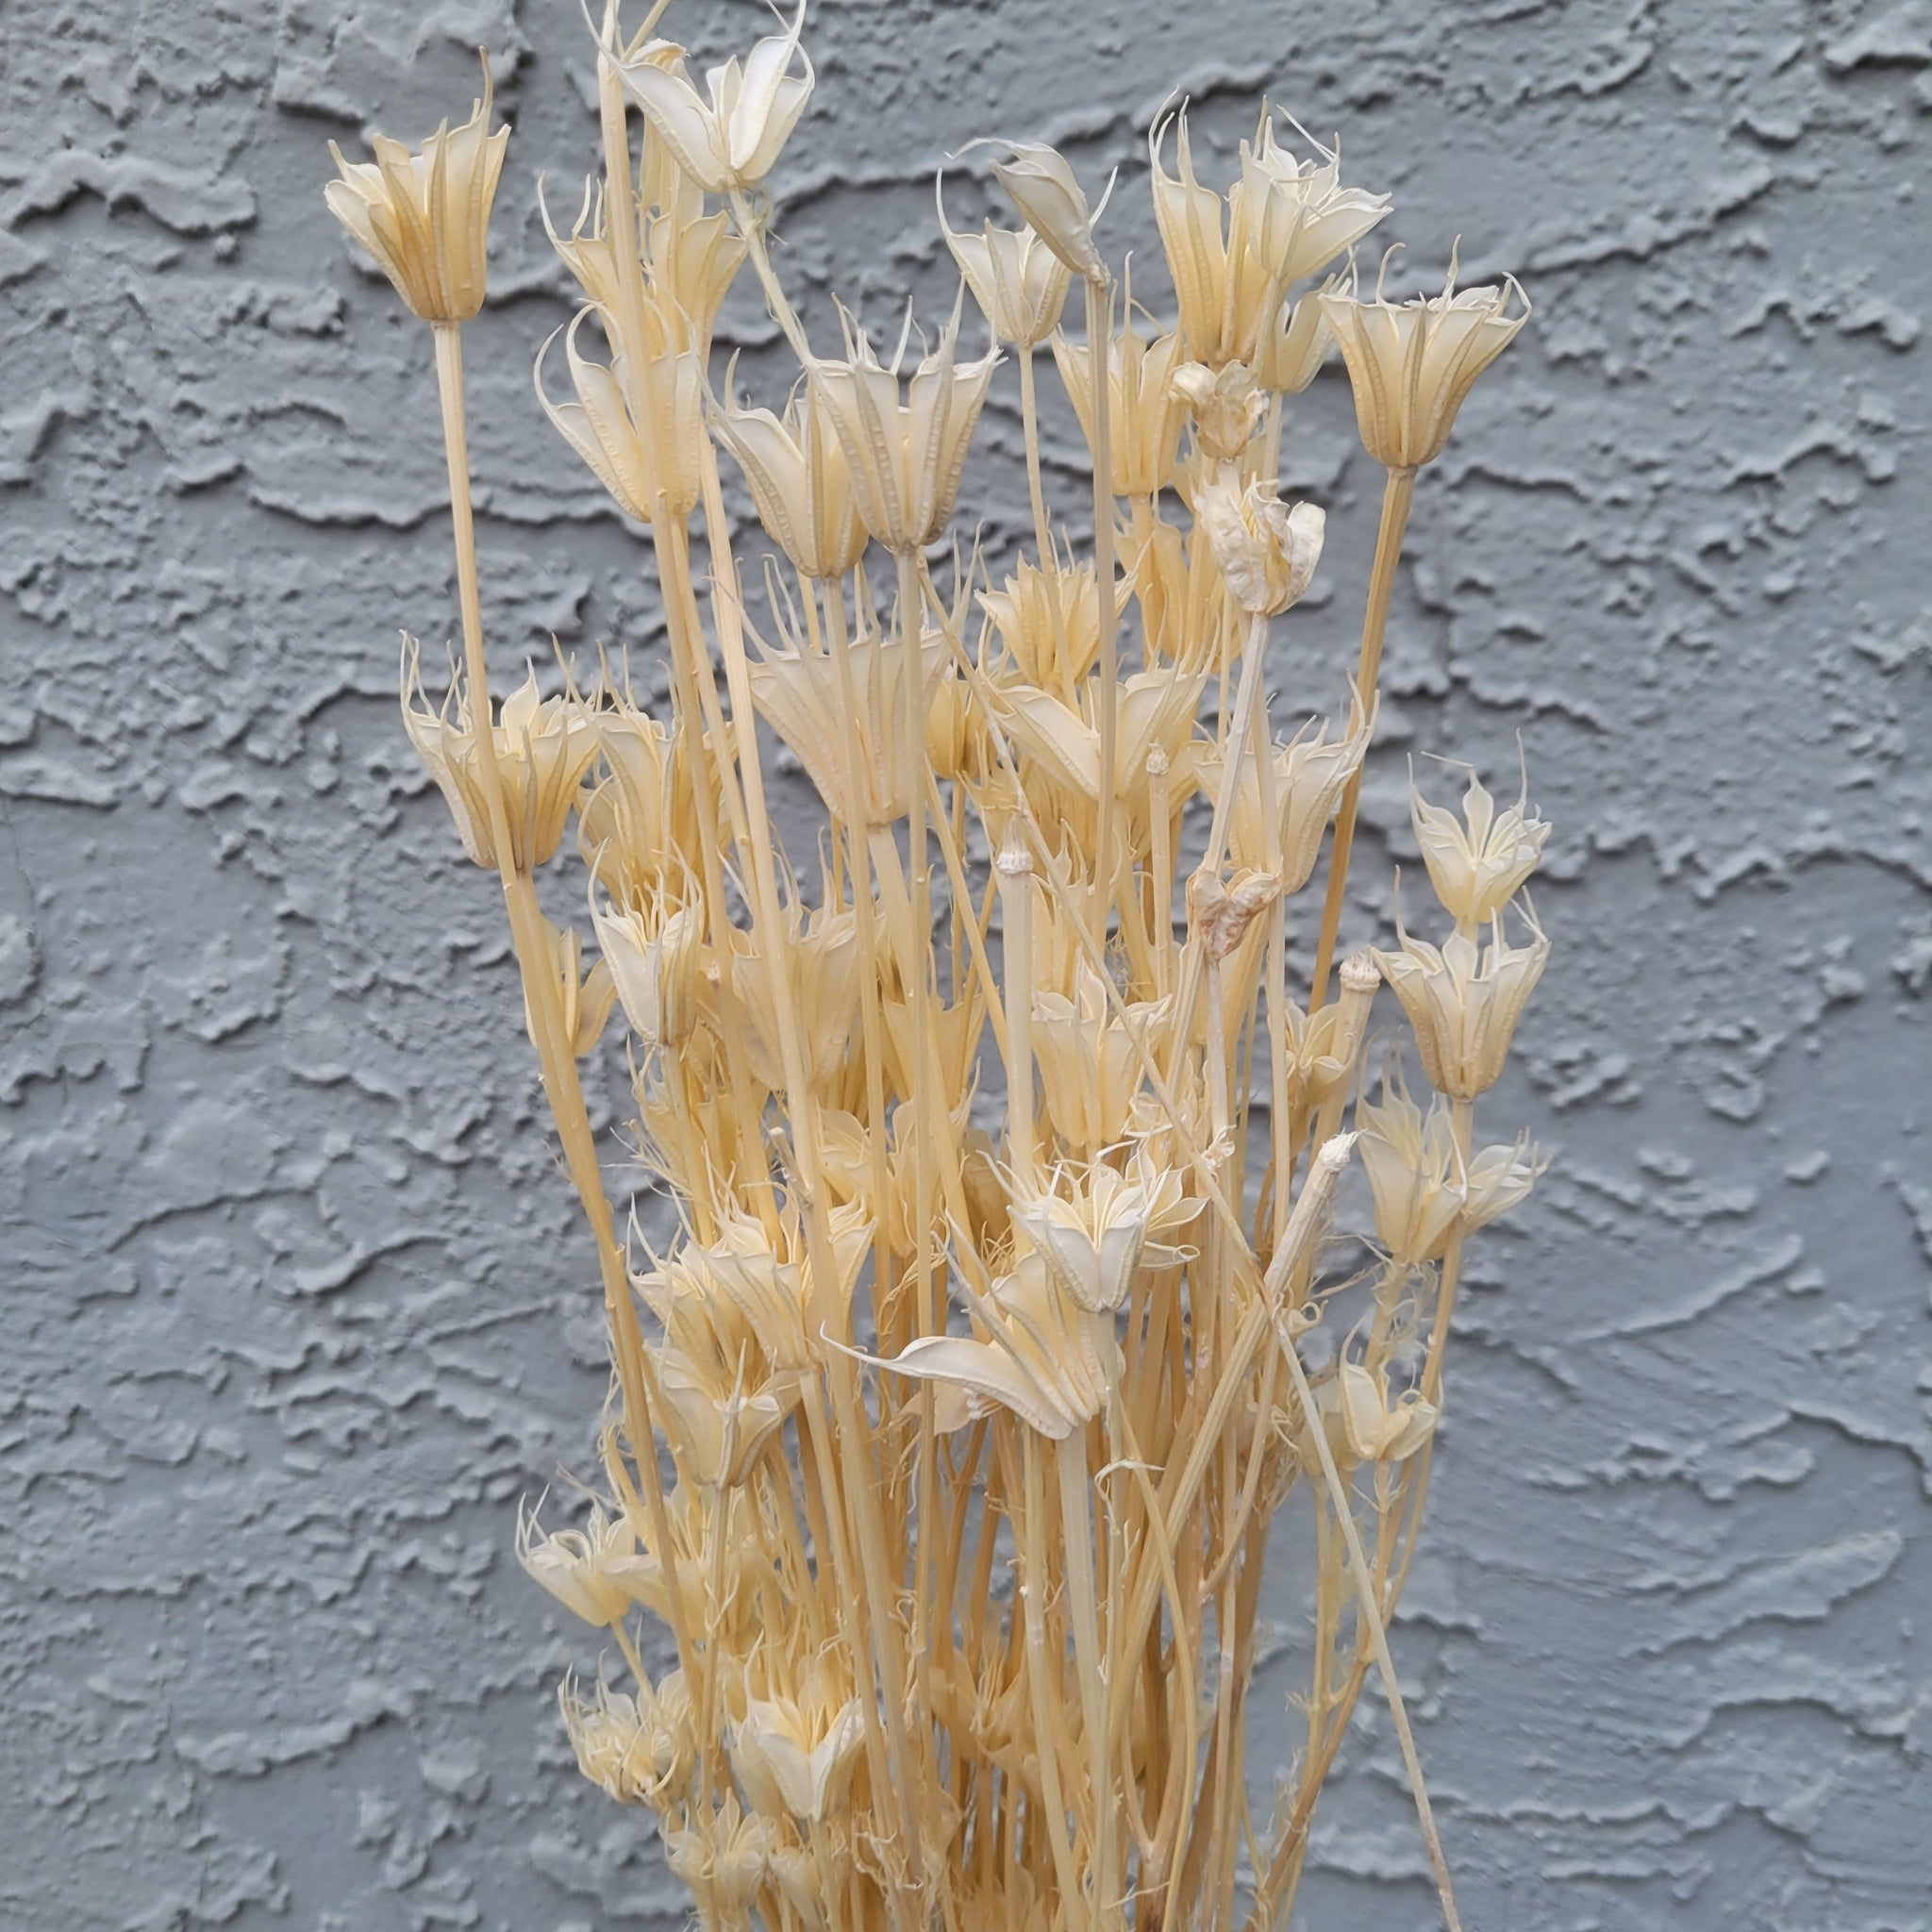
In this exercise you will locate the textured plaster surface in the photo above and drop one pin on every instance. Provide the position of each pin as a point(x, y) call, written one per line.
point(293, 1308)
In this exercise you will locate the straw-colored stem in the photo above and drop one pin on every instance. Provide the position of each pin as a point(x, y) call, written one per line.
point(1370, 1611)
point(556, 1062)
point(1042, 1681)
point(1100, 367)
point(750, 225)
point(1029, 429)
point(1083, 1609)
point(1398, 492)
point(1461, 1126)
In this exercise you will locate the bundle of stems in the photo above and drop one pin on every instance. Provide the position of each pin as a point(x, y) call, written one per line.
point(1004, 1314)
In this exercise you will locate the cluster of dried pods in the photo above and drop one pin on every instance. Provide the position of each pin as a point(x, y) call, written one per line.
point(947, 1456)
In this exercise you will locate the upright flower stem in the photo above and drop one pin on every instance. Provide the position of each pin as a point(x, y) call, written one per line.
point(1083, 1610)
point(1029, 430)
point(1398, 492)
point(1100, 368)
point(1015, 868)
point(556, 1059)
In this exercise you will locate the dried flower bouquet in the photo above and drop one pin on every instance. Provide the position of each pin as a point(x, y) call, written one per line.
point(948, 1456)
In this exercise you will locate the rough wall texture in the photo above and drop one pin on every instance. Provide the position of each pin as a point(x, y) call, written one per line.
point(293, 1307)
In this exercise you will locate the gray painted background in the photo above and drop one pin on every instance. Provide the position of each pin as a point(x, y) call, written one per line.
point(293, 1307)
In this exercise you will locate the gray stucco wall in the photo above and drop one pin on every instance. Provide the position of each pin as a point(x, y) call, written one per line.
point(293, 1307)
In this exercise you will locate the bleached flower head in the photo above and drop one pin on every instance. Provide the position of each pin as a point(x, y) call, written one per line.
point(1291, 354)
point(1363, 1425)
point(1226, 405)
point(815, 965)
point(1412, 363)
point(585, 1570)
point(1309, 776)
point(1284, 218)
point(1145, 412)
point(1089, 1071)
point(1296, 216)
point(731, 141)
point(800, 481)
point(1266, 550)
point(543, 745)
point(719, 1420)
point(1091, 1225)
point(584, 999)
point(1500, 1178)
point(1048, 618)
point(652, 948)
point(688, 261)
point(821, 706)
point(1463, 1002)
point(1478, 863)
point(723, 1854)
point(905, 456)
point(634, 1748)
point(794, 1754)
point(1046, 1359)
point(425, 216)
point(1415, 1174)
point(1019, 282)
point(642, 463)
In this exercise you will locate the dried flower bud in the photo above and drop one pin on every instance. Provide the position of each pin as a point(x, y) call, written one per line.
point(1410, 365)
point(1226, 405)
point(1362, 1425)
point(1477, 863)
point(731, 142)
point(1040, 184)
point(543, 746)
point(425, 216)
point(1266, 550)
point(1415, 1173)
point(1052, 1363)
point(585, 1000)
point(1463, 1003)
point(1018, 281)
point(1146, 414)
point(906, 458)
point(795, 1756)
point(800, 481)
point(639, 463)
